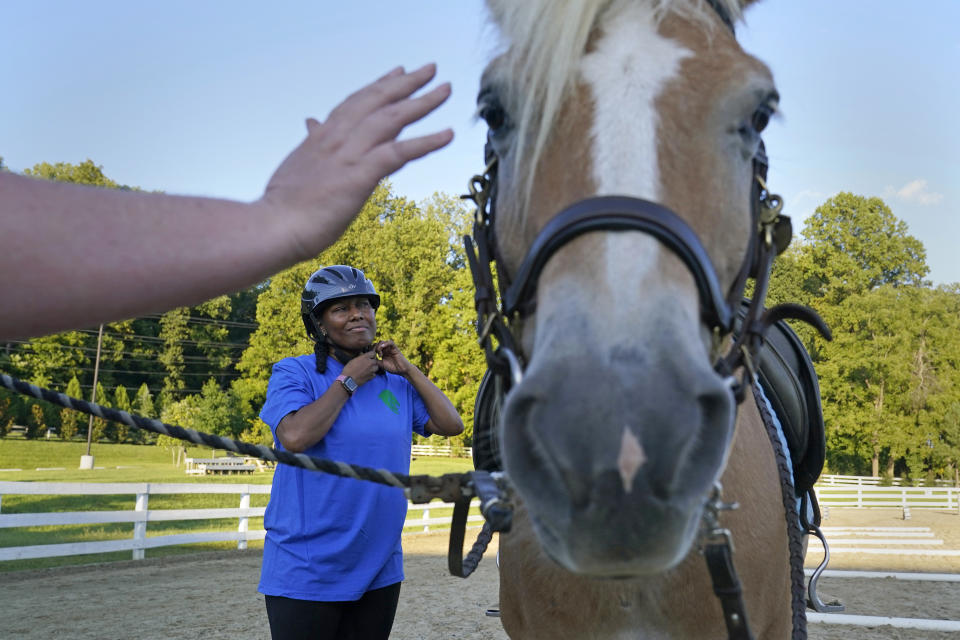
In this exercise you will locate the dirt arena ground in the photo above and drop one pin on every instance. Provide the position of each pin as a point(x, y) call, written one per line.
point(213, 595)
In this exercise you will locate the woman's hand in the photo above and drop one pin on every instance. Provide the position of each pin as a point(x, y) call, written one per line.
point(392, 358)
point(363, 367)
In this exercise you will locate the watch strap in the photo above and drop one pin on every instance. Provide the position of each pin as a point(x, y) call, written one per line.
point(342, 379)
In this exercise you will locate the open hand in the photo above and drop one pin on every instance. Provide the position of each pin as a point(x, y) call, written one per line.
point(323, 183)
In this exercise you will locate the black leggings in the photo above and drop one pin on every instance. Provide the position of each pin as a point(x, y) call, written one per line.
point(369, 618)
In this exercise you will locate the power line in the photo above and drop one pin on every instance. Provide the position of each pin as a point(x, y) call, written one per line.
point(134, 337)
point(153, 390)
point(186, 359)
point(219, 323)
point(153, 373)
point(198, 343)
point(208, 374)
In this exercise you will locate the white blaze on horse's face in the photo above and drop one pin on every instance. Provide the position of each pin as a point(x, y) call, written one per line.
point(621, 426)
point(626, 72)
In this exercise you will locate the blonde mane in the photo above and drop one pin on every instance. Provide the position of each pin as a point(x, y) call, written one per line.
point(544, 40)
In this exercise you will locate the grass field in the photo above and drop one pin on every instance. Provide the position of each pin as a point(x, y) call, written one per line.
point(57, 461)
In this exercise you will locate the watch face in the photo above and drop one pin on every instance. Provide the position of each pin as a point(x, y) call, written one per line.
point(349, 384)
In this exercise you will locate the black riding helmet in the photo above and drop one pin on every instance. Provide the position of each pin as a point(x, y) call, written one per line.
point(328, 284)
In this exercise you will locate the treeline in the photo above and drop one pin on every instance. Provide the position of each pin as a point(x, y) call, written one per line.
point(890, 379)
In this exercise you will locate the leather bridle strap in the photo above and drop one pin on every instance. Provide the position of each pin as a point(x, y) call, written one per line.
point(622, 213)
point(727, 588)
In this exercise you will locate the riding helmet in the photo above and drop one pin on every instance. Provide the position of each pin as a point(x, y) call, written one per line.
point(331, 283)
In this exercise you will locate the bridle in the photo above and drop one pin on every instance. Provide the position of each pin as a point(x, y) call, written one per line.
point(771, 232)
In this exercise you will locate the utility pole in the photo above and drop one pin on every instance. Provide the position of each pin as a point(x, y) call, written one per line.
point(86, 462)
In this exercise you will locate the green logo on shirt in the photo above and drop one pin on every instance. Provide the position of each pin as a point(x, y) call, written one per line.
point(390, 400)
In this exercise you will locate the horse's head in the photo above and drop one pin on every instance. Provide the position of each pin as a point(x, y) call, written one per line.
point(621, 424)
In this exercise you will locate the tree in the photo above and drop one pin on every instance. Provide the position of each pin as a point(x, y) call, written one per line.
point(143, 405)
point(69, 418)
point(258, 433)
point(37, 425)
point(6, 417)
point(173, 331)
point(99, 427)
point(84, 173)
point(890, 380)
point(937, 402)
point(212, 411)
point(856, 244)
point(121, 401)
point(865, 375)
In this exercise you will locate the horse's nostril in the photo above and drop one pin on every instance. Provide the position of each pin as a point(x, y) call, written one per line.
point(718, 404)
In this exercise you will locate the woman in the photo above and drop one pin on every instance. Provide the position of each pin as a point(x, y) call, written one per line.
point(332, 562)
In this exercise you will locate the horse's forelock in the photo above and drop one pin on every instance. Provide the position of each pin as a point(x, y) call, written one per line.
point(544, 41)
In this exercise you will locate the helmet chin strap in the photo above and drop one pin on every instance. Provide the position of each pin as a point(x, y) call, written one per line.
point(344, 355)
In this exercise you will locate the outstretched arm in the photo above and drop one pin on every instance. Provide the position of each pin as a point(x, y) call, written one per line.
point(75, 256)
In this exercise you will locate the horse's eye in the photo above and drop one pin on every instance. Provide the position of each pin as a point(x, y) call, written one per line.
point(494, 115)
point(761, 117)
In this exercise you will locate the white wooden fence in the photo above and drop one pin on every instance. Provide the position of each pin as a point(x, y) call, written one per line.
point(871, 496)
point(832, 479)
point(142, 514)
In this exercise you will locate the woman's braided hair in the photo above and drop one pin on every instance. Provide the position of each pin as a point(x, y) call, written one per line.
point(321, 349)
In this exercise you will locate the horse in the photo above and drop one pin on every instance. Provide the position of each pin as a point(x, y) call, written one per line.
point(639, 121)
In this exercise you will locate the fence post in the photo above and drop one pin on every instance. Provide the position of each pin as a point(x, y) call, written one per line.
point(903, 504)
point(425, 514)
point(140, 526)
point(859, 494)
point(244, 525)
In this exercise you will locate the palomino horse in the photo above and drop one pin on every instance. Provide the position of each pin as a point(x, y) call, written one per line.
point(619, 423)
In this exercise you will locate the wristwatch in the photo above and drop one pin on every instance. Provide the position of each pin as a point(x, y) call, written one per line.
point(349, 384)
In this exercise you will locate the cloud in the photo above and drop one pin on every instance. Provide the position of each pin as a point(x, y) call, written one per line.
point(915, 192)
point(809, 194)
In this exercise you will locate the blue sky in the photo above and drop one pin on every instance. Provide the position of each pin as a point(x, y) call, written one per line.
point(207, 97)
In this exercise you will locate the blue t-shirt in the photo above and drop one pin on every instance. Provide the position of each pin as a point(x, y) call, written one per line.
point(331, 538)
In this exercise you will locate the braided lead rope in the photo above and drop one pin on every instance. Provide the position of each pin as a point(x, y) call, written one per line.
point(424, 488)
point(794, 534)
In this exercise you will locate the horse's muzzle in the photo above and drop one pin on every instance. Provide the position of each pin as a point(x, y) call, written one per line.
point(615, 462)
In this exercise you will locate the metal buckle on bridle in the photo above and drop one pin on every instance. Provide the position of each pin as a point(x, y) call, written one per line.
point(716, 546)
point(710, 530)
point(770, 220)
point(480, 190)
point(516, 369)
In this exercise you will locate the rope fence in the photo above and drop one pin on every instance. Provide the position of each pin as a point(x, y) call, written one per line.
point(419, 489)
point(427, 487)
